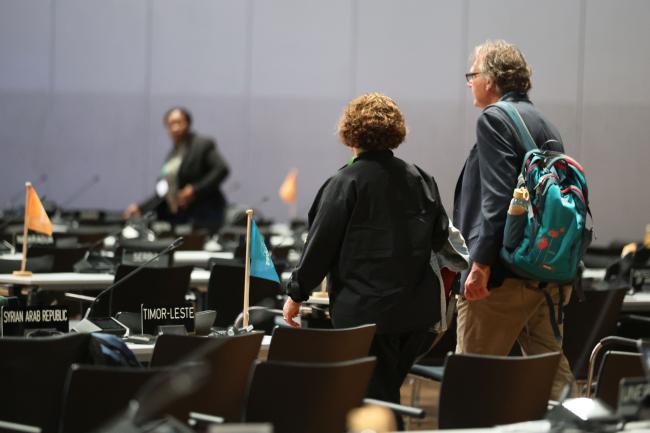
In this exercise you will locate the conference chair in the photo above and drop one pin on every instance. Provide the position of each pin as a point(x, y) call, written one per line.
point(320, 345)
point(228, 359)
point(34, 371)
point(483, 391)
point(587, 322)
point(34, 264)
point(308, 345)
point(155, 286)
point(171, 349)
point(195, 240)
point(602, 257)
point(63, 258)
point(95, 394)
point(614, 366)
point(300, 397)
point(226, 294)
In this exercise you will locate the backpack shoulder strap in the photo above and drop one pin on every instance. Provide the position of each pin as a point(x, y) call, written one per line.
point(519, 124)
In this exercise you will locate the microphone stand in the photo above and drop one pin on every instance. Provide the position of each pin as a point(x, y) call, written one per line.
point(104, 324)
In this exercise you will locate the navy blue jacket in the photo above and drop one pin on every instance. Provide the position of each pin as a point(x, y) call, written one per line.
point(489, 176)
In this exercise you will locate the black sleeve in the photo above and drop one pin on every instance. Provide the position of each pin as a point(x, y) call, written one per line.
point(499, 166)
point(440, 232)
point(330, 216)
point(215, 172)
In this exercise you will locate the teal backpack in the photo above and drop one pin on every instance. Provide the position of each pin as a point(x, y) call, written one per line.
point(547, 243)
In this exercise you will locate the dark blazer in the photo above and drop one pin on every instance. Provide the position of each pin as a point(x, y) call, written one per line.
point(373, 227)
point(489, 176)
point(204, 168)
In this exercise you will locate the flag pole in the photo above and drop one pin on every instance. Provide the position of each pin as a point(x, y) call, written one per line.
point(247, 267)
point(293, 211)
point(23, 271)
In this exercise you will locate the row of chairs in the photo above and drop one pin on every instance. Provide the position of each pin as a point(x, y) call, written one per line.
point(38, 372)
point(311, 379)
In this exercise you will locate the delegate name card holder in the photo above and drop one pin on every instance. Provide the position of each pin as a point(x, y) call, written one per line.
point(153, 316)
point(632, 391)
point(138, 257)
point(34, 239)
point(15, 321)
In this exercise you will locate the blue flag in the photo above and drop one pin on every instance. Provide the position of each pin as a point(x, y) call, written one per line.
point(261, 263)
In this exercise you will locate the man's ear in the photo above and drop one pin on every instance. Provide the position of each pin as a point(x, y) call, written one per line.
point(490, 85)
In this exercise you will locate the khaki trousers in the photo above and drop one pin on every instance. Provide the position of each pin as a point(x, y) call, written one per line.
point(515, 311)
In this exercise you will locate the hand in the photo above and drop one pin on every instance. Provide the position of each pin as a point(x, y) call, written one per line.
point(186, 196)
point(290, 310)
point(476, 283)
point(131, 211)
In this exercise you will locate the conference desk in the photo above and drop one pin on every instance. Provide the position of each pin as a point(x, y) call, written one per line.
point(198, 258)
point(541, 426)
point(64, 281)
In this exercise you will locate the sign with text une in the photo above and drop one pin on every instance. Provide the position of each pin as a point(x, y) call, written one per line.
point(16, 321)
point(154, 316)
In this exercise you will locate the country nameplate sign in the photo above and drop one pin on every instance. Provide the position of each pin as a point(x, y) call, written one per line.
point(15, 321)
point(135, 258)
point(154, 316)
point(632, 391)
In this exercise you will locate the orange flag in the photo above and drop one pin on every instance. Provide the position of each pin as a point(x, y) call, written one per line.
point(288, 189)
point(35, 216)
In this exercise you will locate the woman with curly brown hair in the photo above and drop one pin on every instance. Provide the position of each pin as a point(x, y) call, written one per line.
point(373, 226)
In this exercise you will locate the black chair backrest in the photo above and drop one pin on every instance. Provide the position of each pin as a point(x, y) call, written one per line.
point(33, 375)
point(320, 345)
point(95, 394)
point(63, 258)
point(34, 264)
point(171, 349)
point(586, 323)
point(322, 394)
point(156, 286)
point(194, 240)
point(229, 360)
point(614, 366)
point(483, 391)
point(226, 291)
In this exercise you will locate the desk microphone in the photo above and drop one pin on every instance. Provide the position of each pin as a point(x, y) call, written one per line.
point(91, 263)
point(90, 323)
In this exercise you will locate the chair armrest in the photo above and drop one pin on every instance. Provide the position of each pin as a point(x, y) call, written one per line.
point(198, 419)
point(79, 297)
point(7, 426)
point(410, 411)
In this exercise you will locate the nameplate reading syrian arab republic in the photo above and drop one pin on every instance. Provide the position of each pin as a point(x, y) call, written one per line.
point(15, 321)
point(154, 316)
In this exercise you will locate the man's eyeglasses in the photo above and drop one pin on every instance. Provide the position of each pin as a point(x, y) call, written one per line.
point(470, 75)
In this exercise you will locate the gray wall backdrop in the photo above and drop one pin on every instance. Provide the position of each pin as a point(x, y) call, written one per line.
point(84, 84)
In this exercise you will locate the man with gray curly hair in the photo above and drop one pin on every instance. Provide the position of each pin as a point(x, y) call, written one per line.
point(498, 308)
